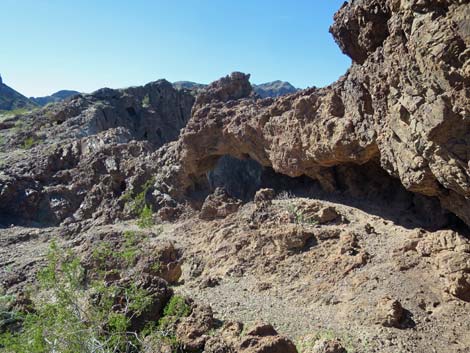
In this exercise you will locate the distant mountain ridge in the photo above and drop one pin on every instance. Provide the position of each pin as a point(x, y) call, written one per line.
point(12, 100)
point(188, 85)
point(264, 90)
point(274, 89)
point(54, 98)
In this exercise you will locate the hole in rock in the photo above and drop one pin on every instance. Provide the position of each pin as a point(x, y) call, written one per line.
point(242, 178)
point(131, 111)
point(367, 187)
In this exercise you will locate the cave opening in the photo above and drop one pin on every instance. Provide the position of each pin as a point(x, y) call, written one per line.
point(367, 187)
point(131, 111)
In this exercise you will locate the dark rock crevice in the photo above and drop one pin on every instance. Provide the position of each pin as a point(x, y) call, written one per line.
point(366, 186)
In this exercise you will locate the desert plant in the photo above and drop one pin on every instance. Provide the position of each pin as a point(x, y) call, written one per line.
point(73, 315)
point(136, 200)
point(298, 216)
point(29, 142)
point(146, 218)
point(174, 311)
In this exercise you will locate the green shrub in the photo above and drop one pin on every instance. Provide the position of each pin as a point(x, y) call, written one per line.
point(137, 201)
point(299, 217)
point(73, 315)
point(139, 206)
point(175, 310)
point(29, 142)
point(146, 218)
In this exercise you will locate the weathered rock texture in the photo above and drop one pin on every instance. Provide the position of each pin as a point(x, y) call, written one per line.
point(404, 105)
point(73, 160)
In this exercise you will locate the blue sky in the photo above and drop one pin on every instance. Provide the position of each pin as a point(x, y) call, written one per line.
point(84, 45)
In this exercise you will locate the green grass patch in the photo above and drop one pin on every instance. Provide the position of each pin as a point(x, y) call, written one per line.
point(29, 143)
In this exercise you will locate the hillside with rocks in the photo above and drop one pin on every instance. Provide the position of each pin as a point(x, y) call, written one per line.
point(12, 100)
point(330, 219)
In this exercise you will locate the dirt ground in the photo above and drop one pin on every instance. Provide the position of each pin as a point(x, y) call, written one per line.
point(311, 268)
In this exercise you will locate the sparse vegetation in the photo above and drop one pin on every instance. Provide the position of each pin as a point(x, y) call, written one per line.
point(174, 311)
point(146, 101)
point(146, 218)
point(74, 314)
point(4, 114)
point(346, 340)
point(139, 206)
point(299, 216)
point(29, 143)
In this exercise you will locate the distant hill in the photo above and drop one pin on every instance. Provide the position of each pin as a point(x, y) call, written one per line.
point(12, 100)
point(264, 90)
point(274, 89)
point(188, 85)
point(53, 98)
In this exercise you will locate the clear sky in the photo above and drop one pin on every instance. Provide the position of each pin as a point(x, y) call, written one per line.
point(48, 45)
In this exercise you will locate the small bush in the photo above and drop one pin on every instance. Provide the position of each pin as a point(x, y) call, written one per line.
point(138, 205)
point(146, 218)
point(73, 315)
point(29, 142)
point(175, 310)
point(299, 217)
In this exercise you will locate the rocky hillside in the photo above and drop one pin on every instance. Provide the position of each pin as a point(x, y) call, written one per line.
point(12, 100)
point(63, 162)
point(339, 215)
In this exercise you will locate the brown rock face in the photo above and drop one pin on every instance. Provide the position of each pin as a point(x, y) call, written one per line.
point(403, 106)
point(450, 253)
point(219, 205)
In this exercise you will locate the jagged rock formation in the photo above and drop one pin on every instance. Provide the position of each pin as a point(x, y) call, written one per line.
point(83, 153)
point(403, 106)
point(264, 90)
point(54, 98)
point(394, 128)
point(11, 100)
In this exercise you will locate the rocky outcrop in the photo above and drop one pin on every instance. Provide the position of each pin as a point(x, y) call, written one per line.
point(264, 90)
point(403, 106)
point(84, 154)
point(450, 254)
point(219, 205)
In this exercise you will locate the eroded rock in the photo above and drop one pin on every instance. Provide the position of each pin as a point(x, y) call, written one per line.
point(219, 205)
point(389, 313)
